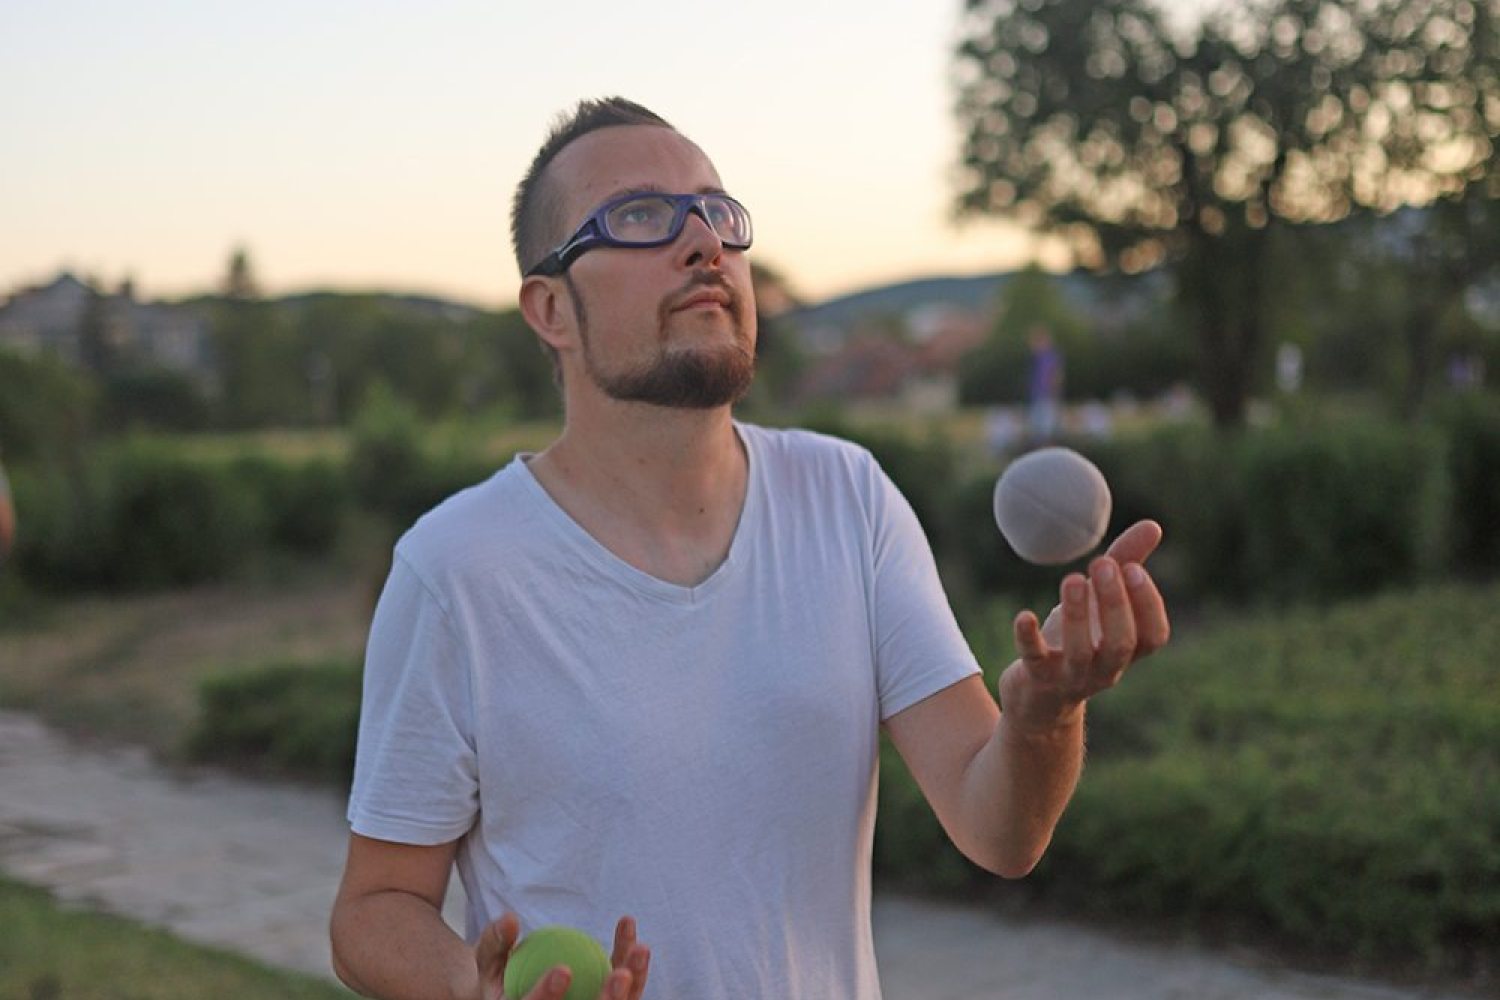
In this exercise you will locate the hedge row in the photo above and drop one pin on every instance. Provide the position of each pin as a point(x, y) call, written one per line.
point(1274, 516)
point(1268, 516)
point(298, 719)
point(143, 515)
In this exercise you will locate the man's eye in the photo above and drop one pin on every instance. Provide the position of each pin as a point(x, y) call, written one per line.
point(640, 215)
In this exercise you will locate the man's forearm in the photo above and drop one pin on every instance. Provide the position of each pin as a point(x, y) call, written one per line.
point(1014, 792)
point(395, 946)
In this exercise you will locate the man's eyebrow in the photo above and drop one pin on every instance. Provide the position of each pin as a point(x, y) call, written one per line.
point(626, 192)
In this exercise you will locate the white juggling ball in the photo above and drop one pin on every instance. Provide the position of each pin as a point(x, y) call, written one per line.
point(1052, 505)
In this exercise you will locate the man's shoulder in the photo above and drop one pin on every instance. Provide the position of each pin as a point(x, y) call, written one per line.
point(811, 466)
point(485, 518)
point(800, 445)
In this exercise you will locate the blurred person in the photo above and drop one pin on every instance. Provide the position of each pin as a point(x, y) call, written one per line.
point(7, 518)
point(1044, 386)
point(637, 680)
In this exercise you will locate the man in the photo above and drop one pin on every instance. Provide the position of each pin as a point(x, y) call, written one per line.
point(644, 671)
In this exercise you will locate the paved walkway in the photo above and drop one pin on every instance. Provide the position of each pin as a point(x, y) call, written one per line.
point(254, 867)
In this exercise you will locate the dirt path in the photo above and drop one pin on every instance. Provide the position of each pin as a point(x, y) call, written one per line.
point(254, 867)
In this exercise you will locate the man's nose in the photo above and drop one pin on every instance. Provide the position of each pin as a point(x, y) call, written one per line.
point(699, 244)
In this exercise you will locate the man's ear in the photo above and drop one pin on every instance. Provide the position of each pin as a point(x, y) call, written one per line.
point(548, 309)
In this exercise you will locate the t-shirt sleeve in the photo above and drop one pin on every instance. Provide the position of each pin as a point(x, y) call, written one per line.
point(415, 771)
point(919, 649)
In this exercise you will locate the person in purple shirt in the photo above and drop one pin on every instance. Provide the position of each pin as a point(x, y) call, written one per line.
point(1044, 386)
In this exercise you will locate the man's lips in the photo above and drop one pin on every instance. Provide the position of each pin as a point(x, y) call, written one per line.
point(707, 299)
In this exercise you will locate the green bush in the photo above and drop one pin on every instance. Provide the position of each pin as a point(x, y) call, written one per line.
point(390, 471)
point(386, 460)
point(175, 521)
point(46, 407)
point(304, 504)
point(64, 538)
point(148, 513)
point(1339, 511)
point(285, 718)
point(1328, 776)
point(1188, 478)
point(154, 398)
point(1472, 429)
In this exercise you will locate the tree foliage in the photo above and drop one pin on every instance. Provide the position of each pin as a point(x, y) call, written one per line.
point(1143, 144)
point(317, 358)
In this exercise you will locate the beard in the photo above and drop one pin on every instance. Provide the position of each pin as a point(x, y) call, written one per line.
point(696, 377)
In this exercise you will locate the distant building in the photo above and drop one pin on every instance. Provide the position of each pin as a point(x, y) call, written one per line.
point(915, 364)
point(53, 318)
point(47, 318)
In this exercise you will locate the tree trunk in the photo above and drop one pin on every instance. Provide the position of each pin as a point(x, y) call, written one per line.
point(1220, 284)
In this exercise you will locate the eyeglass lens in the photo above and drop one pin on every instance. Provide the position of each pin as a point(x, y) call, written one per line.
point(649, 218)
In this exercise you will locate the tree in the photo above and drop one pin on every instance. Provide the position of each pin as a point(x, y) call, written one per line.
point(46, 407)
point(1438, 256)
point(1095, 121)
point(239, 281)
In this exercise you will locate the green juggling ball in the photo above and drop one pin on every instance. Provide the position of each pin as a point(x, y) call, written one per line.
point(548, 947)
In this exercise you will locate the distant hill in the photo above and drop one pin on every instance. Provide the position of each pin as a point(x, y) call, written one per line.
point(1105, 300)
point(978, 292)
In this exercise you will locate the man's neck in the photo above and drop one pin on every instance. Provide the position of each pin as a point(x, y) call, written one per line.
point(662, 488)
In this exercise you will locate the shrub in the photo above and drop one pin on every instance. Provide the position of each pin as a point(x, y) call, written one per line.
point(132, 518)
point(393, 474)
point(174, 521)
point(285, 718)
point(46, 407)
point(1472, 429)
point(1189, 479)
point(64, 539)
point(388, 469)
point(1339, 511)
point(303, 504)
point(1327, 776)
point(157, 398)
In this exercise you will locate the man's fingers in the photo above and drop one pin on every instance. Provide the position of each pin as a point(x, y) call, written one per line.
point(617, 986)
point(1136, 543)
point(1078, 640)
point(624, 938)
point(1117, 639)
point(552, 985)
point(495, 945)
point(631, 960)
point(1029, 642)
point(640, 965)
point(1153, 628)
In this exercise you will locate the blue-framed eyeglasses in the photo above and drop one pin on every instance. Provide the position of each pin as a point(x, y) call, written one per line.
point(649, 220)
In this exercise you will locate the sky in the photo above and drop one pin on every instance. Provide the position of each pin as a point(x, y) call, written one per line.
point(376, 144)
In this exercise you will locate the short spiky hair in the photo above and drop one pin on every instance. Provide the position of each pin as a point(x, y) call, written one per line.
point(534, 224)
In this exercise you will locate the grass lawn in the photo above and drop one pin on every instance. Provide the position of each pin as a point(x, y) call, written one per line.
point(52, 952)
point(128, 668)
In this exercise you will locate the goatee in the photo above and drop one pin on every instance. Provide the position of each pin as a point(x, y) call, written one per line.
point(695, 377)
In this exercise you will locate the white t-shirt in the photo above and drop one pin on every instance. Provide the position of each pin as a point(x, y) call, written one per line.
point(703, 758)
